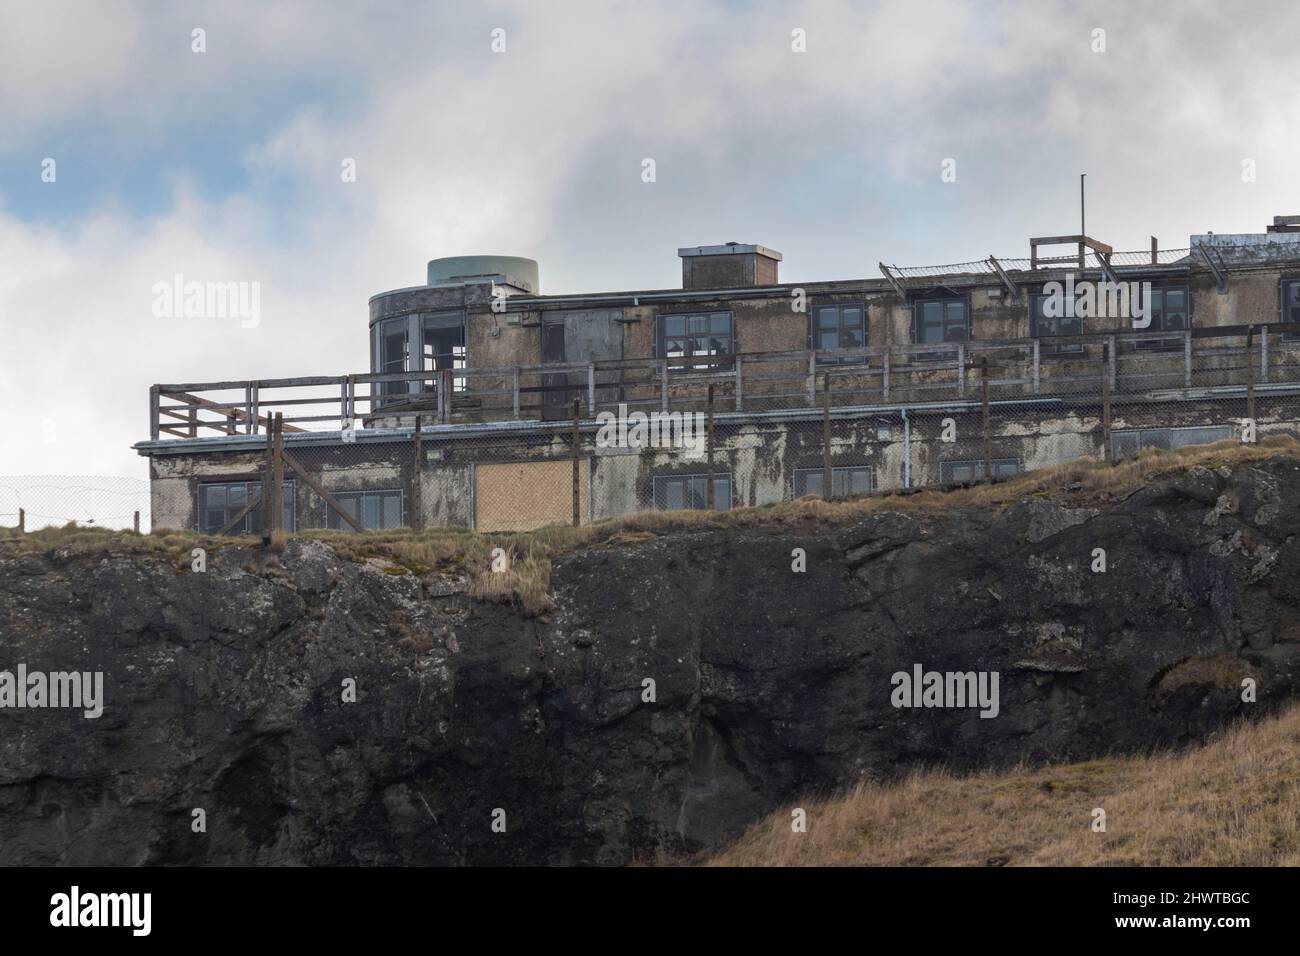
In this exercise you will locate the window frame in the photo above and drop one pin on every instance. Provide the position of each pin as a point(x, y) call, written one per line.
point(458, 360)
point(1160, 345)
point(836, 471)
point(1045, 346)
point(918, 307)
point(815, 330)
point(289, 506)
point(727, 360)
point(334, 523)
point(1284, 284)
point(977, 469)
point(661, 481)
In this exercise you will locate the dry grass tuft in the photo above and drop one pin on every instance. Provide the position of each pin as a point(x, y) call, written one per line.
point(1233, 802)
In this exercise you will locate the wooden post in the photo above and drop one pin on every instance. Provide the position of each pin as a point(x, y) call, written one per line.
point(577, 459)
point(268, 480)
point(277, 516)
point(135, 524)
point(708, 494)
point(153, 412)
point(988, 439)
point(1155, 258)
point(812, 378)
point(1263, 353)
point(417, 470)
point(1106, 358)
point(828, 485)
point(1250, 374)
point(22, 520)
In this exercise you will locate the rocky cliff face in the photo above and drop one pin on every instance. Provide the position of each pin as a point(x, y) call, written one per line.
point(224, 691)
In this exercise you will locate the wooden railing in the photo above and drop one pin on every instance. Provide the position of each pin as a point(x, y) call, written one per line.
point(1165, 365)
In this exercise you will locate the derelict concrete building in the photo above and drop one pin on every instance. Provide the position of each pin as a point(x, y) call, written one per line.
point(921, 376)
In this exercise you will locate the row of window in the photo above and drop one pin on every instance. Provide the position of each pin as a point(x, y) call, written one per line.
point(221, 502)
point(708, 339)
point(676, 492)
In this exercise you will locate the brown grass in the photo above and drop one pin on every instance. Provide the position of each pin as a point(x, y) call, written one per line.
point(1233, 802)
point(527, 583)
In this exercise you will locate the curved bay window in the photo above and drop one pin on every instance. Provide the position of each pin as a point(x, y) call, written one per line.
point(419, 342)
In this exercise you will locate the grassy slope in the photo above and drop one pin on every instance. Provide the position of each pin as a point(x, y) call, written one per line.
point(1233, 802)
point(527, 583)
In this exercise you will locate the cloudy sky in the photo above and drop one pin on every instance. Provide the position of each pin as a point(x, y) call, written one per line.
point(225, 165)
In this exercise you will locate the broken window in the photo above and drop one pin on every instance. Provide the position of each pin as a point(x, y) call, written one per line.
point(833, 327)
point(391, 344)
point(219, 502)
point(845, 480)
point(374, 510)
point(678, 492)
point(443, 344)
point(964, 472)
point(695, 335)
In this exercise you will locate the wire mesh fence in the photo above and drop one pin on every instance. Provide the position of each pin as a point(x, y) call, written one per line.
point(99, 501)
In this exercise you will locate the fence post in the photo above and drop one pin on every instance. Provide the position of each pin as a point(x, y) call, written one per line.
point(417, 489)
point(708, 494)
point(1037, 368)
point(577, 457)
point(1187, 358)
point(961, 371)
point(739, 382)
point(153, 412)
point(828, 486)
point(22, 520)
point(268, 481)
point(277, 517)
point(135, 523)
point(812, 378)
point(514, 389)
point(1107, 364)
point(1114, 361)
point(1250, 374)
point(591, 389)
point(885, 395)
point(984, 399)
point(1263, 353)
point(663, 387)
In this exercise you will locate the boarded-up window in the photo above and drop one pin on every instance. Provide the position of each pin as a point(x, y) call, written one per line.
point(521, 496)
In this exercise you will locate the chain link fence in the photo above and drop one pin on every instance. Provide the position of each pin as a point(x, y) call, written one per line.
point(32, 502)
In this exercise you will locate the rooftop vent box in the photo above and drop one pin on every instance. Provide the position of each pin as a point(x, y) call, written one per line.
point(730, 266)
point(515, 272)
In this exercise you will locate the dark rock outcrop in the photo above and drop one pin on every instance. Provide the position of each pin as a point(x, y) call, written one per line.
point(224, 690)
